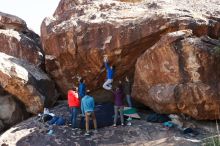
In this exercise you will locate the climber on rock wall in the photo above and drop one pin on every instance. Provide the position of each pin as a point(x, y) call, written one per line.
point(110, 74)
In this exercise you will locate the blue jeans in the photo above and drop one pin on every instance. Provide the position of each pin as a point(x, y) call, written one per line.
point(74, 112)
point(128, 98)
point(120, 108)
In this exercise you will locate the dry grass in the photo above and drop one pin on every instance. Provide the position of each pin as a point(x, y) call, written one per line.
point(213, 140)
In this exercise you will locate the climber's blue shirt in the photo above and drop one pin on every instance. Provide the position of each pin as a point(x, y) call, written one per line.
point(82, 90)
point(110, 72)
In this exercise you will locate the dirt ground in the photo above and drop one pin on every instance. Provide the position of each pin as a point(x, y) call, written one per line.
point(34, 133)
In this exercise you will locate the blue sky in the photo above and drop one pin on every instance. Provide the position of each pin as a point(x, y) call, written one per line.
point(32, 11)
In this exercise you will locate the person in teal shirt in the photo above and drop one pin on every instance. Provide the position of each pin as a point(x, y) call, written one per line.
point(87, 108)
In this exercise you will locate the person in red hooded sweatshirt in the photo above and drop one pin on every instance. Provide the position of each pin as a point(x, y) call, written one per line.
point(74, 105)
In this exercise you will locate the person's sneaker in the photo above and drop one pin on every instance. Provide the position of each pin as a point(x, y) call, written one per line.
point(86, 134)
point(114, 125)
point(129, 124)
point(122, 124)
point(95, 131)
point(50, 132)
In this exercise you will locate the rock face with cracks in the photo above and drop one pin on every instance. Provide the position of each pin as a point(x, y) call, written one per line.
point(18, 41)
point(180, 74)
point(11, 110)
point(24, 87)
point(80, 33)
point(27, 83)
point(180, 77)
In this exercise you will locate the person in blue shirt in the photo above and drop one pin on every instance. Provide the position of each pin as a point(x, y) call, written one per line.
point(87, 108)
point(82, 88)
point(110, 74)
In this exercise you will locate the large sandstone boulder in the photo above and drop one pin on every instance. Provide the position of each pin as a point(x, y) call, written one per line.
point(18, 41)
point(180, 74)
point(27, 83)
point(81, 32)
